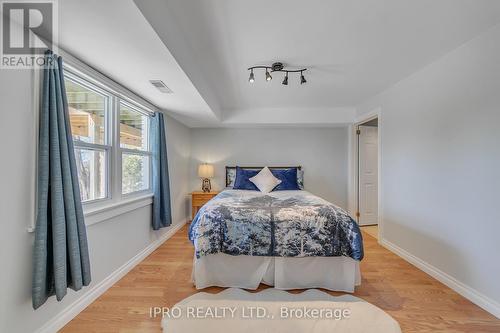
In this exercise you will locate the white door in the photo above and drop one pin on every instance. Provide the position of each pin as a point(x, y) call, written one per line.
point(368, 175)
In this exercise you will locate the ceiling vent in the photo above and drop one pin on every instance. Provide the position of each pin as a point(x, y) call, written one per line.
point(158, 84)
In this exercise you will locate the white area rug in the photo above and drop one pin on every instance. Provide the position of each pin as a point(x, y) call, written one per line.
point(271, 310)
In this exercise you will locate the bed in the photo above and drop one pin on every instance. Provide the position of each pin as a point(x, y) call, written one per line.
point(286, 239)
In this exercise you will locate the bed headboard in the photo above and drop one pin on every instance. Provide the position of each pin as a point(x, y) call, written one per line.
point(231, 173)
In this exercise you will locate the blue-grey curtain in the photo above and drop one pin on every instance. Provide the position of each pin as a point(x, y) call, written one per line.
point(60, 256)
point(162, 216)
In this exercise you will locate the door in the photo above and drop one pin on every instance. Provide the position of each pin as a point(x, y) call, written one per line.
point(368, 175)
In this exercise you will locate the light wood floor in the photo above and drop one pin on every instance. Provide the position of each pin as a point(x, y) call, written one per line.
point(371, 230)
point(417, 301)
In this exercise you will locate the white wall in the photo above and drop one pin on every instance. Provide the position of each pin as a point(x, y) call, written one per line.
point(179, 154)
point(322, 152)
point(440, 164)
point(112, 243)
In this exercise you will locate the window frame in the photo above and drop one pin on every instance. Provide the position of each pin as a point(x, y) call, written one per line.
point(107, 146)
point(113, 150)
point(131, 151)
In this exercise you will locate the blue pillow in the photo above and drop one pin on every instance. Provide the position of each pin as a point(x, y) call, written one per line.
point(242, 181)
point(288, 179)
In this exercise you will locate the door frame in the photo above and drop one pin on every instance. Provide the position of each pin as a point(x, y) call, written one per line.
point(354, 167)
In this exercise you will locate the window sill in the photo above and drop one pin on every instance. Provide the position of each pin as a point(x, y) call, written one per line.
point(103, 213)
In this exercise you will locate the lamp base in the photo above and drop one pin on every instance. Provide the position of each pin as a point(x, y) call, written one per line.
point(206, 186)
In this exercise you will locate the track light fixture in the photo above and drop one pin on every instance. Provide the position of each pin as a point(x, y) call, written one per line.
point(251, 79)
point(285, 80)
point(277, 67)
point(302, 78)
point(268, 76)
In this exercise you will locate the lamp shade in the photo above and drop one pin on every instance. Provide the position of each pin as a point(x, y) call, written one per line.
point(205, 171)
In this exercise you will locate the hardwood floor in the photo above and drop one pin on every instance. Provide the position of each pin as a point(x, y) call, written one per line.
point(371, 230)
point(418, 302)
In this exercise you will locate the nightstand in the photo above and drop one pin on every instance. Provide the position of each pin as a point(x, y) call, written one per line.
point(199, 198)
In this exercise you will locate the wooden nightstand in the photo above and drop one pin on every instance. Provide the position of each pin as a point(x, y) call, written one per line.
point(198, 199)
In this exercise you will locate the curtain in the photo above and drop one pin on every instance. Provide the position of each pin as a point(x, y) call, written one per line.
point(60, 258)
point(161, 188)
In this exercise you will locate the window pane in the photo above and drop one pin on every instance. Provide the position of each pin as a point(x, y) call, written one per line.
point(135, 173)
point(86, 111)
point(133, 129)
point(91, 166)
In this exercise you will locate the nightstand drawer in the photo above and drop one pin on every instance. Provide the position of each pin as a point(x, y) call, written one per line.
point(198, 199)
point(201, 199)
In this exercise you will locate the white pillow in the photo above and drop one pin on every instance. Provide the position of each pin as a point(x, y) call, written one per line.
point(265, 180)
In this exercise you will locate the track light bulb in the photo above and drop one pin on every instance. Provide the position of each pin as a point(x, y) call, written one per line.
point(251, 79)
point(285, 80)
point(302, 78)
point(268, 76)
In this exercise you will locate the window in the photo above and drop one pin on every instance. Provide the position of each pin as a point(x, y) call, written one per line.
point(110, 136)
point(89, 114)
point(134, 146)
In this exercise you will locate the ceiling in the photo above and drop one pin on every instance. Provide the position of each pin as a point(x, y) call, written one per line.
point(201, 49)
point(113, 37)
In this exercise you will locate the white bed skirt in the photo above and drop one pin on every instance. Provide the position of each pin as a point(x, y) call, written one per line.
point(222, 270)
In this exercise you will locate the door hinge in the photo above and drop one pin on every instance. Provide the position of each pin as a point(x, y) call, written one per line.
point(358, 214)
point(358, 132)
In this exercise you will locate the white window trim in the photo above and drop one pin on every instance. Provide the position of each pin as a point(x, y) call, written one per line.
point(107, 147)
point(114, 197)
point(116, 203)
point(139, 152)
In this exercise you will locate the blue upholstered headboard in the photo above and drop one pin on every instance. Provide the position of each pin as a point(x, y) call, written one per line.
point(231, 174)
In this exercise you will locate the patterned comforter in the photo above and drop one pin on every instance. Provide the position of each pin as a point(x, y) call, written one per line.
point(279, 224)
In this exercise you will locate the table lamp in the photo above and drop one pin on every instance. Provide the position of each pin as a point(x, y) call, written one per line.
point(205, 172)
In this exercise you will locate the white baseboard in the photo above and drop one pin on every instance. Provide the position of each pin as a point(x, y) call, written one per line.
point(466, 291)
point(94, 292)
